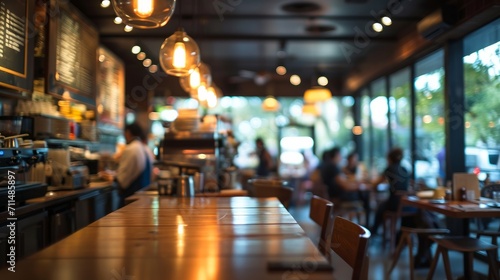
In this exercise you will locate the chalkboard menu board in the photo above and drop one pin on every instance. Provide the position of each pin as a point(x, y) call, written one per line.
point(16, 45)
point(73, 44)
point(111, 90)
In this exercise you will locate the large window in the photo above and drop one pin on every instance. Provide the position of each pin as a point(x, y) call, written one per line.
point(429, 119)
point(482, 102)
point(400, 112)
point(379, 118)
point(366, 124)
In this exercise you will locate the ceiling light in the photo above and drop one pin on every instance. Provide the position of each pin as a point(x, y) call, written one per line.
point(153, 68)
point(105, 3)
point(136, 49)
point(202, 93)
point(270, 104)
point(357, 130)
point(317, 94)
point(310, 109)
point(377, 27)
point(387, 21)
point(200, 75)
point(147, 62)
point(141, 56)
point(281, 70)
point(118, 20)
point(211, 97)
point(322, 81)
point(128, 28)
point(295, 80)
point(179, 54)
point(144, 13)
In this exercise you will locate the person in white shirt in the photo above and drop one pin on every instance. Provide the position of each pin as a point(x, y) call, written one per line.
point(135, 164)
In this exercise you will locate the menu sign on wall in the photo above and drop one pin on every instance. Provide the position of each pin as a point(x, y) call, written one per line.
point(72, 54)
point(15, 45)
point(111, 91)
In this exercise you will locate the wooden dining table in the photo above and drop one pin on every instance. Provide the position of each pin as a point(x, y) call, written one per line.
point(462, 211)
point(184, 238)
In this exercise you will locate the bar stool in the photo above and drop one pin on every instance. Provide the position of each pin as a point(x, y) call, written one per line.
point(406, 239)
point(464, 245)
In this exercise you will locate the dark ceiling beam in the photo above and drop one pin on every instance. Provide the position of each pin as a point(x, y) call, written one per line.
point(271, 17)
point(230, 37)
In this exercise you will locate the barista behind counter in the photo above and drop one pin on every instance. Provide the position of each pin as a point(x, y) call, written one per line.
point(135, 163)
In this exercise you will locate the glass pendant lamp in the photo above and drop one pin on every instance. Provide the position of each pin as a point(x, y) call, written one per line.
point(317, 94)
point(144, 13)
point(200, 75)
point(270, 104)
point(179, 54)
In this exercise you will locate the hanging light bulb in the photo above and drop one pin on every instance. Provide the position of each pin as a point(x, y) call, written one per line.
point(179, 59)
point(179, 54)
point(200, 75)
point(211, 97)
point(270, 104)
point(202, 93)
point(143, 8)
point(317, 94)
point(144, 13)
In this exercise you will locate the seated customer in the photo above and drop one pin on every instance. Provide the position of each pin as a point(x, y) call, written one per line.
point(338, 186)
point(398, 178)
point(351, 170)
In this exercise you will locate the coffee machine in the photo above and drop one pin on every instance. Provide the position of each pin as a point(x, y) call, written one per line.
point(15, 167)
point(64, 174)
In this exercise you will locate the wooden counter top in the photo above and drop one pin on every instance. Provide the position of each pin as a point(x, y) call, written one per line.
point(182, 238)
point(55, 197)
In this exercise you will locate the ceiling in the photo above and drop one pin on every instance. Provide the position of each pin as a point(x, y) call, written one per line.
point(250, 34)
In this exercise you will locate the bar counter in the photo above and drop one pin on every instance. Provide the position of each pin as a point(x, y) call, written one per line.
point(183, 238)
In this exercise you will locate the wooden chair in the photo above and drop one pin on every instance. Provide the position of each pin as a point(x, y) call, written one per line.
point(406, 239)
point(391, 222)
point(350, 209)
point(465, 245)
point(284, 194)
point(321, 213)
point(350, 242)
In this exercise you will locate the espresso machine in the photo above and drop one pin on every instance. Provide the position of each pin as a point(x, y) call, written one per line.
point(63, 173)
point(15, 167)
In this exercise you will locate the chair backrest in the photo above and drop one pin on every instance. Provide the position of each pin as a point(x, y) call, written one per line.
point(350, 242)
point(284, 194)
point(487, 191)
point(320, 212)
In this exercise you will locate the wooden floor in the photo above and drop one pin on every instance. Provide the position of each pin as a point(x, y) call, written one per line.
point(379, 258)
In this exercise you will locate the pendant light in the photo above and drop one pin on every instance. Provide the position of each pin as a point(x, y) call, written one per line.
point(317, 94)
point(270, 104)
point(144, 13)
point(310, 109)
point(179, 54)
point(201, 93)
point(212, 97)
point(200, 75)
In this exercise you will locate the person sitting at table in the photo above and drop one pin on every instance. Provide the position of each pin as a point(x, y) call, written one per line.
point(339, 188)
point(351, 170)
point(399, 180)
